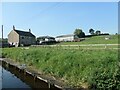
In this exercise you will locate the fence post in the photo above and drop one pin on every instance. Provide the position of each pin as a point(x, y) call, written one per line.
point(105, 46)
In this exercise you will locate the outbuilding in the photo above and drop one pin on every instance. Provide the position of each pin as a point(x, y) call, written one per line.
point(66, 38)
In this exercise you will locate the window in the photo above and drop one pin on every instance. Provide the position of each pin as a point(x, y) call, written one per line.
point(22, 37)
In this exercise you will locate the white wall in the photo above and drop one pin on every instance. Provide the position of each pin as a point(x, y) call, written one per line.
point(69, 38)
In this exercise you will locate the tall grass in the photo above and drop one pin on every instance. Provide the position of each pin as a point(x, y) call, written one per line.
point(90, 68)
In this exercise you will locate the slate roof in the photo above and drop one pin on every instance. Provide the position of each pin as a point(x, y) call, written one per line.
point(24, 33)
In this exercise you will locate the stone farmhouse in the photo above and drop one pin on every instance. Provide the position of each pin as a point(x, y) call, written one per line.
point(21, 38)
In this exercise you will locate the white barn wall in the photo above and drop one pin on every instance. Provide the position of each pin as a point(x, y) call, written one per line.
point(69, 38)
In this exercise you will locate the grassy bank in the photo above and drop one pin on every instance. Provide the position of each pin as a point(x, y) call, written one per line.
point(87, 68)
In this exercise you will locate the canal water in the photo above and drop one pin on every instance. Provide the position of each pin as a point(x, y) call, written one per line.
point(9, 80)
point(0, 78)
point(14, 78)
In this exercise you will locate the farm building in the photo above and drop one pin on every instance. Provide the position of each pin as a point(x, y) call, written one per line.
point(66, 38)
point(45, 39)
point(18, 37)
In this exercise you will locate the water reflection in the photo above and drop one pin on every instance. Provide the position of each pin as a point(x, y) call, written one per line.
point(9, 80)
point(0, 77)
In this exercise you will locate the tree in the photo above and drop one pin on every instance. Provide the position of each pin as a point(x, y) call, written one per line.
point(98, 32)
point(79, 33)
point(91, 31)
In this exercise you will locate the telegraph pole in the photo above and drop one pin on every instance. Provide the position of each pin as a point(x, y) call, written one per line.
point(2, 35)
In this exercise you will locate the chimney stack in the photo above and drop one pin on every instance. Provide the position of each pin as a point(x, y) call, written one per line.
point(30, 30)
point(13, 27)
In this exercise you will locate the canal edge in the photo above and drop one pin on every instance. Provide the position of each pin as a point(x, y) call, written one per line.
point(50, 82)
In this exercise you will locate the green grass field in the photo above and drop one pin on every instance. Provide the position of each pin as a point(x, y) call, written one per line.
point(95, 40)
point(87, 68)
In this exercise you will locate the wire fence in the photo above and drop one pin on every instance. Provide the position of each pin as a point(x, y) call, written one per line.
point(82, 46)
